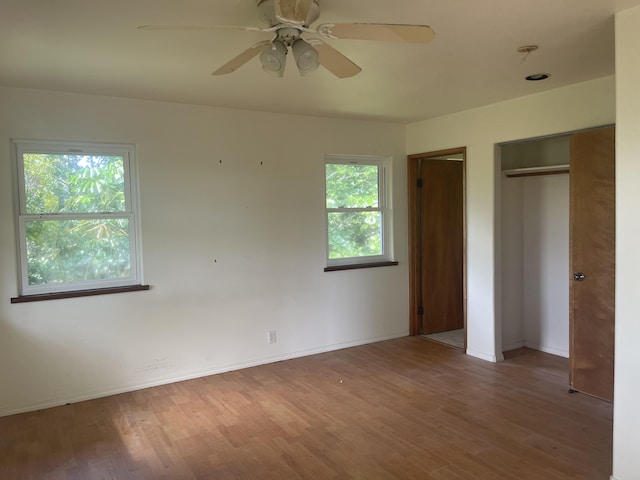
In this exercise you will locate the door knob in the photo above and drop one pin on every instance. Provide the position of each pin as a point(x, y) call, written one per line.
point(578, 277)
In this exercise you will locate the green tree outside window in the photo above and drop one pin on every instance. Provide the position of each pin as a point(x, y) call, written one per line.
point(76, 224)
point(354, 217)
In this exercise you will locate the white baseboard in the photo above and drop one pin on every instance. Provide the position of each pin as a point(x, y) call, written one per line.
point(547, 349)
point(486, 357)
point(57, 402)
point(513, 346)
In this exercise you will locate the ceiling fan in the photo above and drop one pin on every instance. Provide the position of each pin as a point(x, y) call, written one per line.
point(289, 20)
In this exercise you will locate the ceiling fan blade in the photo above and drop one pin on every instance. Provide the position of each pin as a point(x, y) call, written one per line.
point(202, 27)
point(334, 61)
point(295, 11)
point(238, 61)
point(378, 31)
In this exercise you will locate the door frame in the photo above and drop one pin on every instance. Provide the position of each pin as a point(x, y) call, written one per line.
point(415, 287)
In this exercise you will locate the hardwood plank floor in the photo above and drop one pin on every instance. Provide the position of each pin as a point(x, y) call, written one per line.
point(401, 409)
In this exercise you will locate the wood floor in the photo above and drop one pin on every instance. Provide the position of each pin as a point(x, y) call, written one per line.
point(401, 409)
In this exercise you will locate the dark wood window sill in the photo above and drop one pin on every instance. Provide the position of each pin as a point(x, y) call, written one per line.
point(79, 293)
point(355, 266)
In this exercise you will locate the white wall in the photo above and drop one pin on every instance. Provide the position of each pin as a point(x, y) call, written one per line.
point(512, 273)
point(546, 263)
point(538, 152)
point(626, 428)
point(233, 245)
point(566, 109)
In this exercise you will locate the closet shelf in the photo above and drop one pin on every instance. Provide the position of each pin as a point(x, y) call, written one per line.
point(536, 171)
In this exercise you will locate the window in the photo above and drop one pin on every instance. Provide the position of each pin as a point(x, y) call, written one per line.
point(356, 212)
point(77, 216)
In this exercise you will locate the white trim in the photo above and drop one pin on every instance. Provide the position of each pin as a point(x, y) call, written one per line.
point(513, 346)
point(115, 390)
point(551, 350)
point(484, 356)
point(534, 346)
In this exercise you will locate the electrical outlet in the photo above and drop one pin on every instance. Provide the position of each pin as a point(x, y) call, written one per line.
point(271, 336)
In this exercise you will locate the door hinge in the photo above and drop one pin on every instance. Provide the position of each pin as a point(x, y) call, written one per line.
point(420, 310)
point(419, 183)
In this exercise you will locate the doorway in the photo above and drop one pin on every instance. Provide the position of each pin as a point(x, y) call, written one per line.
point(437, 244)
point(534, 244)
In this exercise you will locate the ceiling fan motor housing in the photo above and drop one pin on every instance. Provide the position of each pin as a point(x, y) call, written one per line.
point(288, 35)
point(266, 10)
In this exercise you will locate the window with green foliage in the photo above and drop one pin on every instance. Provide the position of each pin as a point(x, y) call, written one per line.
point(355, 210)
point(77, 216)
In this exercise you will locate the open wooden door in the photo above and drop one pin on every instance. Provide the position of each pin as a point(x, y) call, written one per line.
point(592, 262)
point(436, 196)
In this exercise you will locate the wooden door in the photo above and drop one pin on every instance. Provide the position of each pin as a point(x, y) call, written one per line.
point(592, 262)
point(441, 225)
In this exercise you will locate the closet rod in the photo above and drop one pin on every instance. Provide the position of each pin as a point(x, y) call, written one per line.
point(536, 171)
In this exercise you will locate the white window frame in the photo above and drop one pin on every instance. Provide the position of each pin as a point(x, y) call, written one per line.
point(131, 213)
point(383, 164)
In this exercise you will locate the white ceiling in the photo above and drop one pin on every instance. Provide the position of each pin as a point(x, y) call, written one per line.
point(93, 46)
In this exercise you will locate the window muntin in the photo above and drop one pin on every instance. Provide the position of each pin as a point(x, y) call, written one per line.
point(356, 213)
point(77, 216)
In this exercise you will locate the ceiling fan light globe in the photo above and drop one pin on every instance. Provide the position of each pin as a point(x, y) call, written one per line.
point(307, 57)
point(274, 58)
